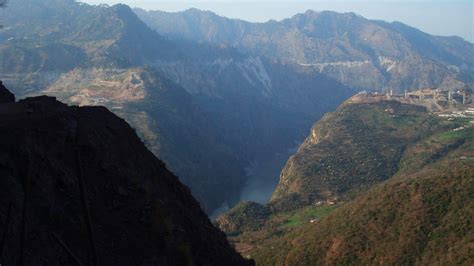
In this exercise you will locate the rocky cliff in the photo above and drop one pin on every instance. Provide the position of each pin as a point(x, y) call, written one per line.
point(77, 186)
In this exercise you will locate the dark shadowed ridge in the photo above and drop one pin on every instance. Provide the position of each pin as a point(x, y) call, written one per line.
point(207, 111)
point(77, 186)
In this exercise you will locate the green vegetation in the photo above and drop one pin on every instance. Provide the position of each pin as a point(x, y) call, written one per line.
point(307, 214)
point(419, 218)
point(352, 149)
point(250, 224)
point(464, 134)
point(418, 212)
point(245, 216)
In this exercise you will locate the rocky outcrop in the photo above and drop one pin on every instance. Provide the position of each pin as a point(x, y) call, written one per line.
point(77, 186)
point(5, 95)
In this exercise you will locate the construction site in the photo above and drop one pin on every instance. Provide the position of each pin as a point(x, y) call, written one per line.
point(443, 102)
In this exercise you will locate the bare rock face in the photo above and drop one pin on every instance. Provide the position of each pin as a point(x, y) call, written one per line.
point(5, 95)
point(78, 187)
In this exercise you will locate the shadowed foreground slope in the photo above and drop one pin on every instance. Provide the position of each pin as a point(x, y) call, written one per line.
point(55, 158)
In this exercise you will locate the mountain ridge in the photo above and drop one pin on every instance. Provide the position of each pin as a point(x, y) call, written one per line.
point(199, 107)
point(344, 46)
point(78, 186)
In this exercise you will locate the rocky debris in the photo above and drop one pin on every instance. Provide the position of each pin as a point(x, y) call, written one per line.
point(5, 95)
point(77, 186)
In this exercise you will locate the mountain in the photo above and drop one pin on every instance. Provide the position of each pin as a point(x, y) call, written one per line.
point(108, 35)
point(376, 182)
point(43, 39)
point(352, 149)
point(360, 53)
point(169, 120)
point(5, 95)
point(79, 187)
point(210, 112)
point(421, 216)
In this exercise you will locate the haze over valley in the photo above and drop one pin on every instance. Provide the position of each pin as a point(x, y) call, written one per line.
point(276, 131)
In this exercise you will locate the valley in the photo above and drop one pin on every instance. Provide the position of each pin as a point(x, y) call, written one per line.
point(145, 137)
point(320, 202)
point(209, 112)
point(263, 177)
point(233, 107)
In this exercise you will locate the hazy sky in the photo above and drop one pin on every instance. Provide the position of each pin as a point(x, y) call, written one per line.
point(440, 17)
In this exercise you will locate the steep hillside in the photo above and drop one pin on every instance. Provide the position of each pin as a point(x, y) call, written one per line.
point(108, 35)
point(208, 133)
point(261, 107)
point(351, 149)
point(376, 182)
point(358, 52)
point(421, 216)
point(5, 95)
point(169, 120)
point(43, 39)
point(90, 60)
point(208, 112)
point(79, 187)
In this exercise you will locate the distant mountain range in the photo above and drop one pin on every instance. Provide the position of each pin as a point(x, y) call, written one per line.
point(209, 112)
point(360, 53)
